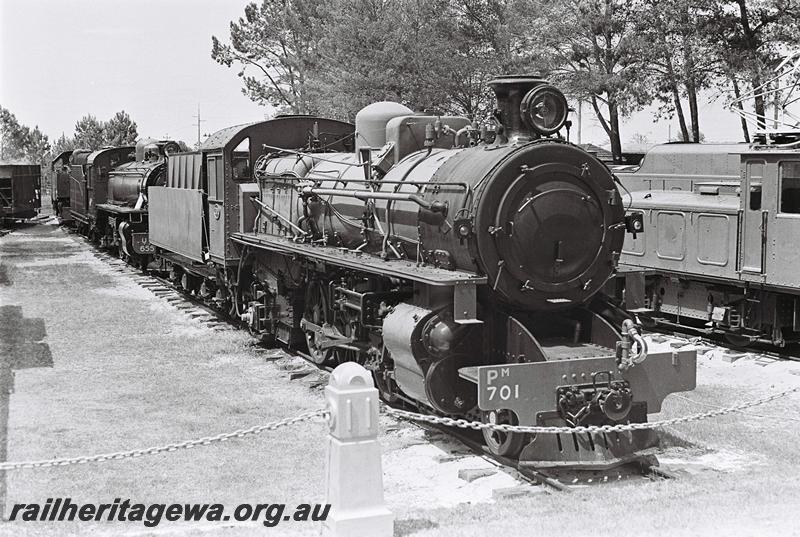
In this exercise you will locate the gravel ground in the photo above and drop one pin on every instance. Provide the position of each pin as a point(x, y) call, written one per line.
point(109, 366)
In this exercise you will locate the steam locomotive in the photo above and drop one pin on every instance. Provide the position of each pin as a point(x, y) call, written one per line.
point(460, 263)
point(716, 252)
point(103, 193)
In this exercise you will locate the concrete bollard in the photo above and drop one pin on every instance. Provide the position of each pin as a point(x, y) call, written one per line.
point(354, 476)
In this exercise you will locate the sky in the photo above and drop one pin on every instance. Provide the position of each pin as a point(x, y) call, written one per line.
point(61, 60)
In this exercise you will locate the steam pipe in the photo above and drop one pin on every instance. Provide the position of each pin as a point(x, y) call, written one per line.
point(434, 206)
point(272, 212)
point(460, 184)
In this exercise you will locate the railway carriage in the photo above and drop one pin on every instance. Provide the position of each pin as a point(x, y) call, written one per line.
point(20, 191)
point(717, 251)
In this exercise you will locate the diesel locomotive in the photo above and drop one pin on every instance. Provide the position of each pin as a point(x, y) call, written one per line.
point(716, 253)
point(460, 263)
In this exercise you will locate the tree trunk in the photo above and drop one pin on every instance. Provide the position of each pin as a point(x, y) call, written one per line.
point(752, 46)
point(690, 83)
point(676, 97)
point(738, 94)
point(613, 119)
point(691, 90)
point(761, 114)
point(611, 127)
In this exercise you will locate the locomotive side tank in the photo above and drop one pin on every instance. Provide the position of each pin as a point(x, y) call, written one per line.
point(461, 263)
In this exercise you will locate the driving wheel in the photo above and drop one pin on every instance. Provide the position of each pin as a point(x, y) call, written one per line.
point(499, 442)
point(316, 312)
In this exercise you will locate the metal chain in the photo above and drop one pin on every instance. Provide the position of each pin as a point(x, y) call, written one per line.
point(325, 413)
point(205, 441)
point(507, 428)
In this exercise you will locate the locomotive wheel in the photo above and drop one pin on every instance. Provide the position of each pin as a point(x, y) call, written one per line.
point(316, 311)
point(233, 301)
point(346, 328)
point(387, 389)
point(502, 443)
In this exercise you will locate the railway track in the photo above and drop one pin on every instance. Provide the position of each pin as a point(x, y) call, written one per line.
point(165, 290)
point(564, 480)
point(689, 335)
point(561, 481)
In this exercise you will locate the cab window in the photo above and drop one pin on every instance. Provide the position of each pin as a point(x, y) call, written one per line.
point(240, 161)
point(755, 174)
point(790, 187)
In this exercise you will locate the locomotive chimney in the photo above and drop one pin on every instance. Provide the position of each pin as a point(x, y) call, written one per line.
point(528, 107)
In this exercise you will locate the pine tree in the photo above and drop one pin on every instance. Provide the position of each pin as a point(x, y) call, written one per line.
point(120, 130)
point(63, 144)
point(19, 142)
point(276, 40)
point(37, 148)
point(89, 133)
point(14, 137)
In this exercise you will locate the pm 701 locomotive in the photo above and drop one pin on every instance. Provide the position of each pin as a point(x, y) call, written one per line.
point(461, 263)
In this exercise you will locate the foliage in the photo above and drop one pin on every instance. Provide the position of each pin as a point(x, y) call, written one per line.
point(89, 132)
point(332, 57)
point(383, 50)
point(276, 39)
point(64, 143)
point(592, 48)
point(20, 143)
point(120, 130)
point(677, 58)
point(748, 38)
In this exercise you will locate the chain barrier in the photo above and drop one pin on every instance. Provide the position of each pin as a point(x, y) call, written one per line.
point(507, 428)
point(403, 414)
point(205, 441)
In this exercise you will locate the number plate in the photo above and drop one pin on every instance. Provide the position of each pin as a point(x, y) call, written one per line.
point(141, 244)
point(497, 387)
